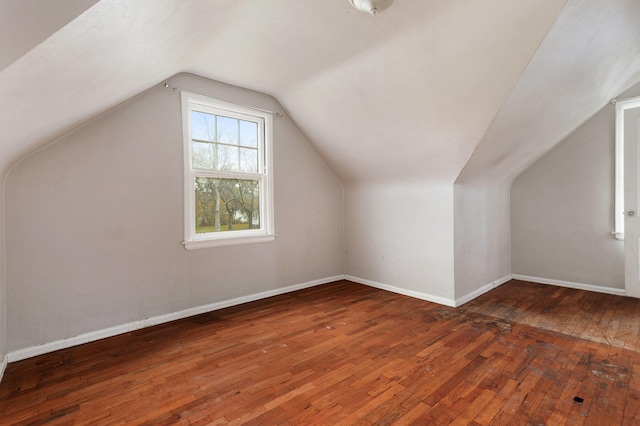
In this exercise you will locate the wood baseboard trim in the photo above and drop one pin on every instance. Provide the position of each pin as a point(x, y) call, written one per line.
point(92, 336)
point(429, 297)
point(32, 351)
point(482, 290)
point(403, 291)
point(3, 365)
point(569, 284)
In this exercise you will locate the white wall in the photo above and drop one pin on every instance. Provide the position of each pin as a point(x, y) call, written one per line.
point(437, 241)
point(3, 290)
point(482, 244)
point(400, 236)
point(95, 223)
point(562, 210)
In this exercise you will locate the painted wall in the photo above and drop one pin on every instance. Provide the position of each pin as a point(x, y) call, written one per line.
point(562, 210)
point(3, 289)
point(482, 242)
point(95, 223)
point(401, 235)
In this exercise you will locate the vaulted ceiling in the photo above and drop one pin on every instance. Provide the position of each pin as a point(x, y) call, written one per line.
point(429, 90)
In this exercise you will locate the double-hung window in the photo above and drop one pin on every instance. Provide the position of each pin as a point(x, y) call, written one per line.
point(228, 182)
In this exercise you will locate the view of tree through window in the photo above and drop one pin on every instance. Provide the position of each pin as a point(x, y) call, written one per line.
point(228, 185)
point(225, 144)
point(226, 204)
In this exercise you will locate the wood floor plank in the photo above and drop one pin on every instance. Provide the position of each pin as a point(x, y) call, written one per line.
point(344, 353)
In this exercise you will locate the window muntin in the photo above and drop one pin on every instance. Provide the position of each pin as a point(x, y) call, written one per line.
point(228, 188)
point(224, 143)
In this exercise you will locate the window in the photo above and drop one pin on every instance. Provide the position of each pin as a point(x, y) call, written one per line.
point(228, 184)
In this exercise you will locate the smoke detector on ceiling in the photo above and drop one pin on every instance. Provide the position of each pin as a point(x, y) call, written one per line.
point(372, 7)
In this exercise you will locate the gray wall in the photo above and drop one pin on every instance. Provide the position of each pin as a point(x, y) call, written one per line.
point(400, 235)
point(3, 289)
point(94, 223)
point(562, 210)
point(481, 237)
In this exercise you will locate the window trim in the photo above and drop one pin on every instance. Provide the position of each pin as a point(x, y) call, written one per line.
point(266, 233)
point(621, 107)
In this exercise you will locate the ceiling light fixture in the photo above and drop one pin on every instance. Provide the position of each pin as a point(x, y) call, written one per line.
point(372, 7)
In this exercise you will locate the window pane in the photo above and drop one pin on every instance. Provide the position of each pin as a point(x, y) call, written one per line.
point(249, 160)
point(203, 155)
point(203, 126)
point(226, 204)
point(227, 130)
point(228, 158)
point(248, 133)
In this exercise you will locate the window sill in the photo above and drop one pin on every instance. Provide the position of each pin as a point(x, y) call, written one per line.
point(231, 241)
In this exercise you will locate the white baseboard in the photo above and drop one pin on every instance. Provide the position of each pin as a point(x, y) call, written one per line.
point(482, 290)
point(32, 351)
point(569, 284)
point(3, 365)
point(92, 336)
point(403, 291)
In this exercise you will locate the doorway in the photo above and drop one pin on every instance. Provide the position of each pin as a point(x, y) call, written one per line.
point(627, 208)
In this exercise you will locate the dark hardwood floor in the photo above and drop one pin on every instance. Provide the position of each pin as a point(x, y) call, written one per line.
point(348, 354)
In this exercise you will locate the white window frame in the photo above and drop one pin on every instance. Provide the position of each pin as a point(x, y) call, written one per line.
point(621, 107)
point(266, 233)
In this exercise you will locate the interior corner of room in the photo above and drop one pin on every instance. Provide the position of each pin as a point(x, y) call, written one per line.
point(481, 149)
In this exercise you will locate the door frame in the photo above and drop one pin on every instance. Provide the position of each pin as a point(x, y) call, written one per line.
point(621, 107)
point(619, 209)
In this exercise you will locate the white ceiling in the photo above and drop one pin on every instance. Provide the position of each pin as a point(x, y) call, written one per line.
point(27, 23)
point(412, 94)
point(591, 55)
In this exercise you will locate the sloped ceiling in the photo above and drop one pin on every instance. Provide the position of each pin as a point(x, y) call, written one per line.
point(408, 95)
point(591, 55)
point(27, 23)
